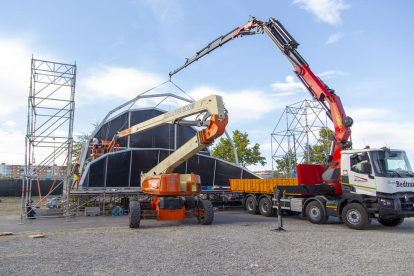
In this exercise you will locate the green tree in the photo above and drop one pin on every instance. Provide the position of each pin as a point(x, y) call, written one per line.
point(78, 144)
point(246, 155)
point(282, 165)
point(317, 153)
point(3, 177)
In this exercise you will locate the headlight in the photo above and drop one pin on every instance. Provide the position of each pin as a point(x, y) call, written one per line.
point(387, 202)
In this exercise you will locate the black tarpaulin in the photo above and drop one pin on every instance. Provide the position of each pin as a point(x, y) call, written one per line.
point(142, 161)
point(97, 173)
point(225, 172)
point(204, 167)
point(14, 187)
point(159, 137)
point(117, 174)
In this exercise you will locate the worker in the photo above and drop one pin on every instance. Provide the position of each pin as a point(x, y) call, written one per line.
point(101, 145)
point(29, 211)
point(95, 143)
point(76, 176)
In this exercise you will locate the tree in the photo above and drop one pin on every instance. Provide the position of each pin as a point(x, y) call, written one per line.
point(3, 177)
point(78, 144)
point(282, 165)
point(317, 153)
point(246, 155)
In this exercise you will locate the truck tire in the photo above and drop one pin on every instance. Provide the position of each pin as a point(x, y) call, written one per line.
point(251, 206)
point(134, 213)
point(208, 216)
point(316, 213)
point(190, 200)
point(355, 216)
point(391, 222)
point(266, 208)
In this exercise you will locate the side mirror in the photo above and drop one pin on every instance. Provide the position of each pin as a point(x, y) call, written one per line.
point(365, 167)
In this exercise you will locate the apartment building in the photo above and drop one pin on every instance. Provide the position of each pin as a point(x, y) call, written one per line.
point(17, 171)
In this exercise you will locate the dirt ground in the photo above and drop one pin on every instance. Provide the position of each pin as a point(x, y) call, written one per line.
point(10, 207)
point(236, 243)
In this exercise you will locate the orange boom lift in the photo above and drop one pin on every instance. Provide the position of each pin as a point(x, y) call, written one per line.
point(168, 188)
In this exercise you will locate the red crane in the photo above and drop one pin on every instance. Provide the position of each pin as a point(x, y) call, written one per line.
point(317, 88)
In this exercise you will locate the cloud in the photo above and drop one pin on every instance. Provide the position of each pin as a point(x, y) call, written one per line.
point(15, 76)
point(334, 38)
point(289, 87)
point(331, 74)
point(118, 82)
point(377, 126)
point(364, 114)
point(328, 11)
point(244, 105)
point(10, 123)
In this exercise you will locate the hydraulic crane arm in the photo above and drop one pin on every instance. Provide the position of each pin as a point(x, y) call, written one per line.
point(318, 90)
point(212, 106)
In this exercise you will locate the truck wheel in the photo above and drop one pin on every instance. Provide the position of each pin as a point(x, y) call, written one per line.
point(190, 200)
point(134, 213)
point(391, 222)
point(355, 216)
point(208, 216)
point(316, 213)
point(265, 207)
point(251, 205)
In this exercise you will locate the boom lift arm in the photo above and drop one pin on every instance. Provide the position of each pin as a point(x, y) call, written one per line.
point(211, 106)
point(318, 89)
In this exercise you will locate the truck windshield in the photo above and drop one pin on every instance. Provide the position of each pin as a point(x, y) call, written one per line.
point(386, 164)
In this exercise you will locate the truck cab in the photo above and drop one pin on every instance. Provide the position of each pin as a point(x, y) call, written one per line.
point(382, 177)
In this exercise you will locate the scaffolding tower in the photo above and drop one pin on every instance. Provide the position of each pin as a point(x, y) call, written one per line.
point(296, 131)
point(49, 138)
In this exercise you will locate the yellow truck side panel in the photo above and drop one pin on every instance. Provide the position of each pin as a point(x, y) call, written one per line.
point(263, 186)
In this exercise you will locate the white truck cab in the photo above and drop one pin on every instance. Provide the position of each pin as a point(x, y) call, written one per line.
point(381, 179)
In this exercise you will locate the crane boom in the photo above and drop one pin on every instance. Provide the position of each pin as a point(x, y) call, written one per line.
point(316, 87)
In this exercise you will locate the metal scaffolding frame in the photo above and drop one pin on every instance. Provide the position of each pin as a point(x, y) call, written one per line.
point(49, 138)
point(304, 120)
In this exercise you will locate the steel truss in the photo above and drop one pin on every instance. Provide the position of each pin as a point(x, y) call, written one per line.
point(303, 120)
point(49, 138)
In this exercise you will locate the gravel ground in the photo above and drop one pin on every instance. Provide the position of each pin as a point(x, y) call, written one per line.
point(242, 248)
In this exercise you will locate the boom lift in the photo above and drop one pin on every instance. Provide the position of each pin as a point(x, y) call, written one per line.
point(355, 185)
point(167, 187)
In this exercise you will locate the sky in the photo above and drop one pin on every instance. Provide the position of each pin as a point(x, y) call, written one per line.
point(361, 49)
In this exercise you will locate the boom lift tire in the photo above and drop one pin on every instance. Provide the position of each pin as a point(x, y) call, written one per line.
point(266, 208)
point(134, 213)
point(316, 213)
point(251, 206)
point(355, 216)
point(190, 200)
point(208, 216)
point(391, 222)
